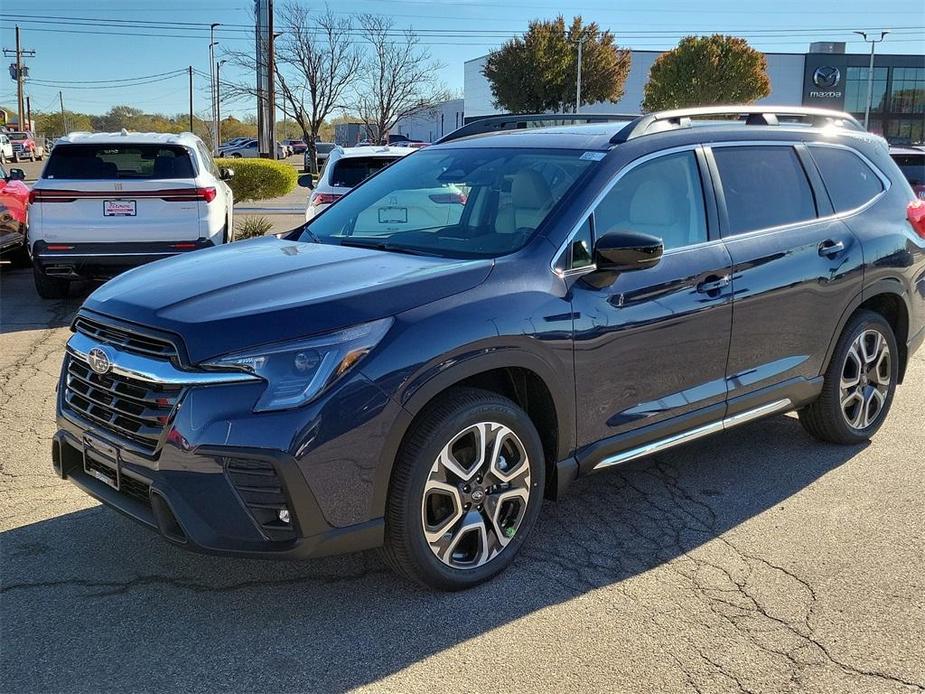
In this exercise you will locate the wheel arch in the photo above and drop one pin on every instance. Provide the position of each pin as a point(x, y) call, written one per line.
point(889, 298)
point(526, 379)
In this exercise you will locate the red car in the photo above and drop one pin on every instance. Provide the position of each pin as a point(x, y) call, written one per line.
point(14, 211)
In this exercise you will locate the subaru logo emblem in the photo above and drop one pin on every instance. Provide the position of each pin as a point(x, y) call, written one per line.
point(826, 77)
point(99, 360)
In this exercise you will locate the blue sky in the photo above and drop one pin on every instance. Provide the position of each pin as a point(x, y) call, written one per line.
point(71, 53)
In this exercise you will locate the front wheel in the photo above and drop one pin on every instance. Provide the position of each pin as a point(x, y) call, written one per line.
point(859, 383)
point(466, 490)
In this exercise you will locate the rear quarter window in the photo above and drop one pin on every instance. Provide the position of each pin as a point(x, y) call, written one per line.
point(350, 172)
point(89, 162)
point(849, 181)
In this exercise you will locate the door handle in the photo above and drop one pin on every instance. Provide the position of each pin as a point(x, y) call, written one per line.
point(831, 247)
point(714, 284)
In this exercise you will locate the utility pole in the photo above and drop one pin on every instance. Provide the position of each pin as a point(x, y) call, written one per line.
point(63, 113)
point(20, 78)
point(212, 44)
point(191, 98)
point(578, 81)
point(870, 73)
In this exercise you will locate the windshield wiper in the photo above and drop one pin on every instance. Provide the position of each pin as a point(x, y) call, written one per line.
point(380, 246)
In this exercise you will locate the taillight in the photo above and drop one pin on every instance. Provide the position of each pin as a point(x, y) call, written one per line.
point(206, 195)
point(915, 213)
point(49, 195)
point(31, 196)
point(449, 198)
point(325, 198)
point(59, 247)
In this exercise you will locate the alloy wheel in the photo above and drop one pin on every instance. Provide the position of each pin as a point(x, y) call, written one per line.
point(865, 379)
point(476, 495)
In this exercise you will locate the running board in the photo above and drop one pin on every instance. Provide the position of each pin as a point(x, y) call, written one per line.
point(694, 434)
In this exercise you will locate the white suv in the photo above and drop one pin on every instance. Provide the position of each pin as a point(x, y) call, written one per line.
point(110, 201)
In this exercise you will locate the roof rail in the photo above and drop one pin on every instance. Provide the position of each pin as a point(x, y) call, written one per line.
point(748, 115)
point(519, 121)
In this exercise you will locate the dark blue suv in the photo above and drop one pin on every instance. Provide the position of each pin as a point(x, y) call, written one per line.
point(487, 319)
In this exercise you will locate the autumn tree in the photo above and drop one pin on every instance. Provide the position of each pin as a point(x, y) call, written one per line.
point(538, 72)
point(707, 70)
point(398, 77)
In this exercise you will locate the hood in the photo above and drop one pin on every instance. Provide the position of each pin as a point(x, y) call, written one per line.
point(249, 293)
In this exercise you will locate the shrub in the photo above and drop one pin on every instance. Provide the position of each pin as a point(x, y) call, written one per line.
point(259, 179)
point(252, 227)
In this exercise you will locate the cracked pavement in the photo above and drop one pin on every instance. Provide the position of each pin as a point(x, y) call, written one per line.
point(754, 561)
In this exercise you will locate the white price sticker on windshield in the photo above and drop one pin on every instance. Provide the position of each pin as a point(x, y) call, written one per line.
point(593, 156)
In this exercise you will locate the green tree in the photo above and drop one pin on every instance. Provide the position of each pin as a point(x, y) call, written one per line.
point(538, 72)
point(54, 125)
point(707, 70)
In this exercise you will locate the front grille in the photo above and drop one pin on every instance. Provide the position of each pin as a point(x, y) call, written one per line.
point(133, 409)
point(262, 492)
point(127, 341)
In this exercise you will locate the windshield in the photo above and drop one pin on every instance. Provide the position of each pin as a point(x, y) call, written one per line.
point(19, 136)
point(462, 203)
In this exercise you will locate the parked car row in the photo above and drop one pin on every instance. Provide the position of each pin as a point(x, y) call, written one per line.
point(20, 145)
point(249, 149)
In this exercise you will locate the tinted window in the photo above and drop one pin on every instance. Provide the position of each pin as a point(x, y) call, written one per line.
point(663, 197)
point(912, 166)
point(764, 187)
point(350, 172)
point(849, 181)
point(468, 202)
point(324, 147)
point(115, 161)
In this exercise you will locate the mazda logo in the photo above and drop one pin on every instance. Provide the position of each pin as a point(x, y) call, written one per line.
point(826, 77)
point(99, 360)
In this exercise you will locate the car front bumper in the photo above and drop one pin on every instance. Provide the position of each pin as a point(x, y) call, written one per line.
point(221, 473)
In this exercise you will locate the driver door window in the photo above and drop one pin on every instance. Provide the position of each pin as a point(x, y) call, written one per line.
point(662, 197)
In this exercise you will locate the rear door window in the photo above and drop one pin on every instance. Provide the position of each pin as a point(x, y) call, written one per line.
point(764, 187)
point(912, 166)
point(351, 171)
point(90, 162)
point(849, 181)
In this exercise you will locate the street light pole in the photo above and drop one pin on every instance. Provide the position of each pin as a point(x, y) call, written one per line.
point(578, 81)
point(218, 103)
point(212, 44)
point(870, 73)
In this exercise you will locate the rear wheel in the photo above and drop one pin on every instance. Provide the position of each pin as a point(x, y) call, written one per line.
point(466, 490)
point(859, 384)
point(49, 287)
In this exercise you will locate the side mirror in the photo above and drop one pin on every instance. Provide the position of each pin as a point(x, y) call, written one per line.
point(226, 174)
point(622, 251)
point(16, 175)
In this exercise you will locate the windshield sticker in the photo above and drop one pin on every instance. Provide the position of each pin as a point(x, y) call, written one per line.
point(592, 156)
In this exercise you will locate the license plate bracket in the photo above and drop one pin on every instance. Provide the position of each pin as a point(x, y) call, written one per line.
point(101, 461)
point(393, 215)
point(119, 208)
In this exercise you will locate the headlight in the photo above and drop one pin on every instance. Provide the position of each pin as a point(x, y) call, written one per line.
point(298, 371)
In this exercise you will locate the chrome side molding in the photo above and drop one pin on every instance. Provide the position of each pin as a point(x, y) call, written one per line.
point(693, 434)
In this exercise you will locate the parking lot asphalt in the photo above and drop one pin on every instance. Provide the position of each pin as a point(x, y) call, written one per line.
point(755, 561)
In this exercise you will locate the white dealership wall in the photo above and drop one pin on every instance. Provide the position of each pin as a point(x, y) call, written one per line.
point(785, 71)
point(430, 125)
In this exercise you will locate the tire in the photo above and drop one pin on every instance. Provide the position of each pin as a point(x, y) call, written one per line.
point(49, 287)
point(474, 516)
point(858, 385)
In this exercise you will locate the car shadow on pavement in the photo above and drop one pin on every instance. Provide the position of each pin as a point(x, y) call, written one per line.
point(33, 312)
point(112, 606)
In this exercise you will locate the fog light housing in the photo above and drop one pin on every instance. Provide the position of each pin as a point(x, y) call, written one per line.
point(284, 515)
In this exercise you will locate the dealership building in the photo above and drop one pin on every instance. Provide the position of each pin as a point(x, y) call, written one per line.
point(825, 76)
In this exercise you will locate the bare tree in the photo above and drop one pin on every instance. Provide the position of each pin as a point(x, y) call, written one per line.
point(317, 61)
point(398, 78)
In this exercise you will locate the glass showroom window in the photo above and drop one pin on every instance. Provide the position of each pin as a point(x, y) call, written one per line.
point(856, 89)
point(907, 93)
